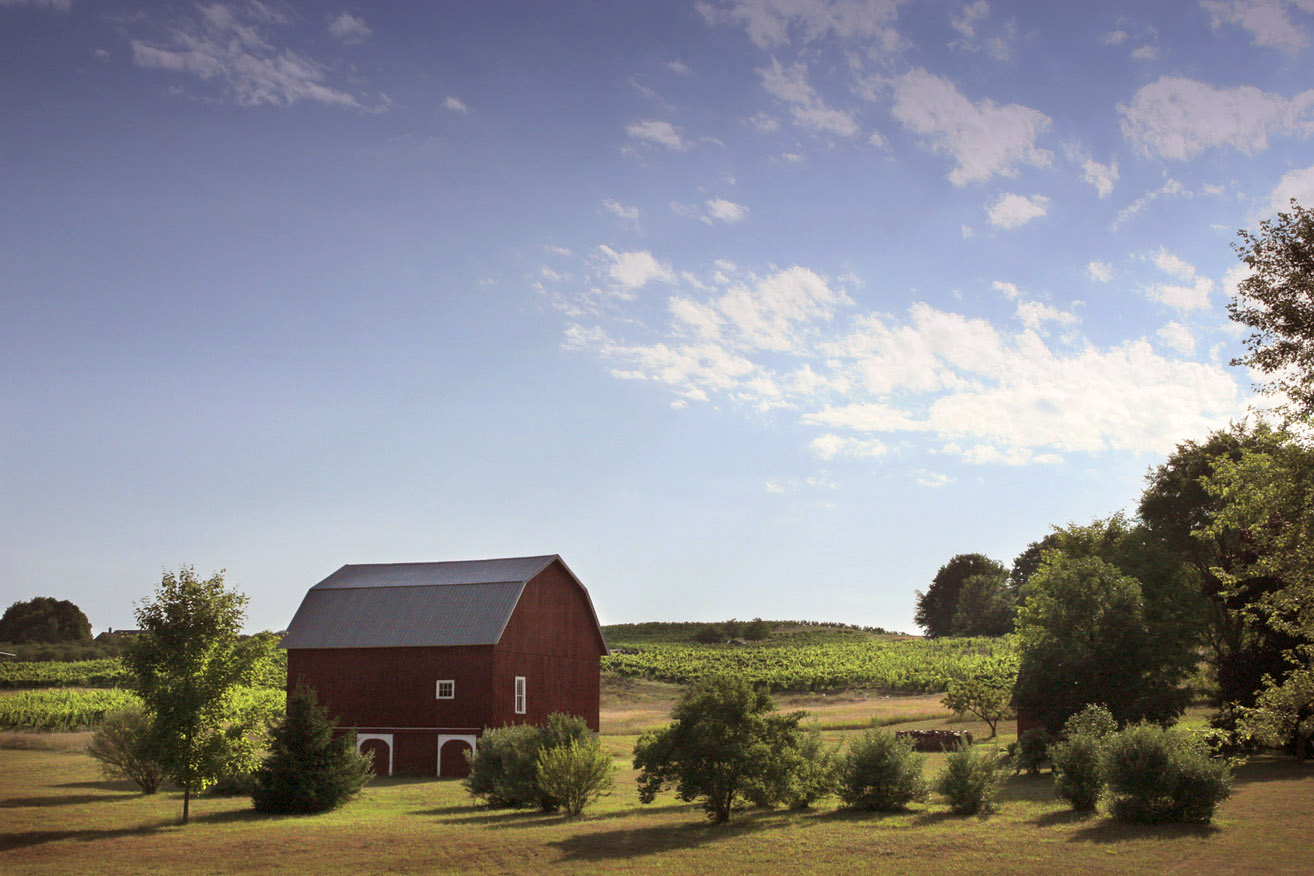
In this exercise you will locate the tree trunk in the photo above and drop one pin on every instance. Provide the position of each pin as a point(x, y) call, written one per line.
point(187, 798)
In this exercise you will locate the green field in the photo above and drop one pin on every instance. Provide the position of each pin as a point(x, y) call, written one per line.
point(60, 817)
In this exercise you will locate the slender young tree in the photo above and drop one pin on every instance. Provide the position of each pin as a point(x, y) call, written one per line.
point(186, 666)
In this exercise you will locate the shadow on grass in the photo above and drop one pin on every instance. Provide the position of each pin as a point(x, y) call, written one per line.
point(511, 818)
point(1106, 830)
point(658, 839)
point(102, 785)
point(25, 839)
point(1273, 768)
point(65, 800)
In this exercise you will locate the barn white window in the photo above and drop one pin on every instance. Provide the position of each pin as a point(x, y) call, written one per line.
point(446, 689)
point(520, 695)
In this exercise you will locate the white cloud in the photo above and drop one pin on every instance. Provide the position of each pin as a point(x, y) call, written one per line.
point(791, 86)
point(1115, 37)
point(1009, 290)
point(621, 211)
point(965, 21)
point(764, 123)
point(984, 139)
point(349, 28)
point(1170, 189)
point(659, 132)
point(1146, 53)
point(725, 211)
point(830, 445)
point(1100, 272)
point(633, 270)
point(1177, 337)
point(1101, 176)
point(231, 45)
point(57, 5)
point(1192, 293)
point(1178, 118)
point(1014, 211)
point(1267, 21)
point(1298, 184)
point(789, 340)
point(933, 479)
point(1034, 314)
point(678, 67)
point(456, 105)
point(775, 22)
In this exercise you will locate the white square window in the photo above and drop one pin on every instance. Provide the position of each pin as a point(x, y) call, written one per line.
point(520, 695)
point(447, 690)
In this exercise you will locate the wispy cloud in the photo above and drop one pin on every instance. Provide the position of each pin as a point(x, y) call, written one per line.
point(1268, 21)
point(232, 44)
point(660, 132)
point(349, 28)
point(456, 105)
point(809, 111)
point(1013, 211)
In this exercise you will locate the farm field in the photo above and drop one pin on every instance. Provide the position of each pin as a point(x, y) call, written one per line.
point(57, 816)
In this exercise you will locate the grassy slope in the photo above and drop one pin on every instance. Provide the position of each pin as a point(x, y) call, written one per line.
point(58, 817)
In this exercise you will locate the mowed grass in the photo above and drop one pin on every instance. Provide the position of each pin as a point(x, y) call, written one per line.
point(57, 816)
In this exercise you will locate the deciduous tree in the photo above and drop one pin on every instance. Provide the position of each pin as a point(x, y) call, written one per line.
point(44, 619)
point(186, 666)
point(936, 607)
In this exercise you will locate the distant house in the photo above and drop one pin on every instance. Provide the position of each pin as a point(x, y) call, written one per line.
point(419, 658)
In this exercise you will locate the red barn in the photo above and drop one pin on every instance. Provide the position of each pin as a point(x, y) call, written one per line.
point(419, 658)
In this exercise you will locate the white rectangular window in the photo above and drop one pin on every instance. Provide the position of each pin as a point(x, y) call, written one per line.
point(520, 695)
point(446, 690)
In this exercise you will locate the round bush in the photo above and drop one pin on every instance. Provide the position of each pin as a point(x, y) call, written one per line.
point(970, 780)
point(1157, 775)
point(881, 773)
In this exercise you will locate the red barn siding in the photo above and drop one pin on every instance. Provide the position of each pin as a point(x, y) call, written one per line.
point(396, 687)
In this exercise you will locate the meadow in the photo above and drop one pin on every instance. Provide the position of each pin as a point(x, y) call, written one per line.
point(58, 815)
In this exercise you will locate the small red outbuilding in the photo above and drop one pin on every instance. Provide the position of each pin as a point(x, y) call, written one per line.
point(418, 658)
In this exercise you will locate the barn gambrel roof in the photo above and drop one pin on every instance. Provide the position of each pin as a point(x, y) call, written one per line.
point(405, 605)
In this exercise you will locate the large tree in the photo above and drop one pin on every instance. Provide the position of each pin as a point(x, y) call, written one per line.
point(186, 666)
point(937, 606)
point(1276, 301)
point(1083, 637)
point(1186, 519)
point(44, 619)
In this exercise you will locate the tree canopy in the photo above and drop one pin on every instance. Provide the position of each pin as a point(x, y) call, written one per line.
point(1083, 638)
point(44, 619)
point(938, 605)
point(1276, 301)
point(186, 665)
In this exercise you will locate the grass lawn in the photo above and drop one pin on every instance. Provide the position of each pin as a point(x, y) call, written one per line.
point(58, 817)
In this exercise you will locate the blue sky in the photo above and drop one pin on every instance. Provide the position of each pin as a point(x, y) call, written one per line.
point(765, 307)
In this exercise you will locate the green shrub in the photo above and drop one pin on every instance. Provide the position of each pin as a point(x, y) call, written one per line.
point(1157, 775)
point(1031, 750)
point(881, 773)
point(1078, 768)
point(121, 744)
point(575, 774)
point(810, 771)
point(970, 780)
point(307, 769)
point(712, 634)
point(504, 770)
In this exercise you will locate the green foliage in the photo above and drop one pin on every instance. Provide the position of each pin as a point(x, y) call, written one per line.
point(722, 746)
point(803, 774)
point(1156, 775)
point(61, 710)
point(122, 744)
point(756, 630)
point(821, 660)
point(576, 773)
point(1276, 301)
point(1083, 638)
point(504, 770)
point(881, 773)
point(1077, 759)
point(43, 652)
point(1031, 750)
point(936, 607)
point(971, 780)
point(107, 672)
point(986, 606)
point(987, 695)
point(307, 769)
point(44, 619)
point(712, 634)
point(187, 666)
